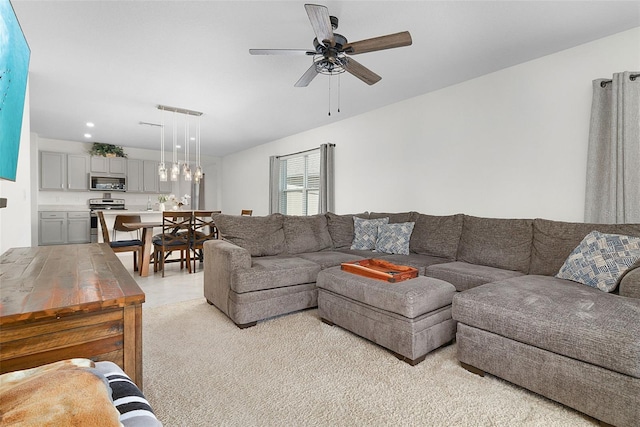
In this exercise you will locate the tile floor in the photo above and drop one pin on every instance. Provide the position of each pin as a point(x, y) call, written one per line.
point(176, 285)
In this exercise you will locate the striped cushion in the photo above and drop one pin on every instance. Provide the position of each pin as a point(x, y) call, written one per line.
point(134, 408)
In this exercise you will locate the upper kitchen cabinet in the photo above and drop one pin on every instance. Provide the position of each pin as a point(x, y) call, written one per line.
point(60, 171)
point(150, 174)
point(77, 172)
point(135, 176)
point(53, 167)
point(116, 165)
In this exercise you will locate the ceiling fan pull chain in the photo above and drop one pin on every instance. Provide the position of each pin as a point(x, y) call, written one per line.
point(338, 93)
point(329, 95)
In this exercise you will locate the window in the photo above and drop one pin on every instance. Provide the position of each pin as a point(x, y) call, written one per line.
point(300, 183)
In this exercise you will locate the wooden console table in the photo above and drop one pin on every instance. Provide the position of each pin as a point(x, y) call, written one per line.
point(71, 301)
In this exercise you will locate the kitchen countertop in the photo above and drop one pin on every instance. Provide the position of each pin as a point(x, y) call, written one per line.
point(62, 208)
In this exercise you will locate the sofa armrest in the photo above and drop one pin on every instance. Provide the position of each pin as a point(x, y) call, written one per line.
point(630, 282)
point(221, 259)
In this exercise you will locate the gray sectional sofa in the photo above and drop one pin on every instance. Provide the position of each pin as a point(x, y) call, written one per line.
point(570, 342)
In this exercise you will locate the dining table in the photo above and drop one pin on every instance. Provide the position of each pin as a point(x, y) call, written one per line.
point(147, 242)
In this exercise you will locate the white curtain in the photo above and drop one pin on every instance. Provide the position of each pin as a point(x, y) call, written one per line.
point(613, 162)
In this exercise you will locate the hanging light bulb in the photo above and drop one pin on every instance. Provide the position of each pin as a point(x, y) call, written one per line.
point(175, 168)
point(162, 170)
point(186, 170)
point(198, 172)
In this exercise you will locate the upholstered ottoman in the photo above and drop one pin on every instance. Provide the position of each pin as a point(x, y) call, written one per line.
point(410, 318)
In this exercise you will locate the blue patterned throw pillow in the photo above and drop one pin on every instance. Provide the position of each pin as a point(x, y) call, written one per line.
point(394, 238)
point(600, 259)
point(366, 232)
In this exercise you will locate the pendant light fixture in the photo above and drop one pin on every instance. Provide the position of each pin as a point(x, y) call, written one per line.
point(174, 172)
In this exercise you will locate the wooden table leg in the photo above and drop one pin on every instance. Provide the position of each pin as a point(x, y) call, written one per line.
point(147, 237)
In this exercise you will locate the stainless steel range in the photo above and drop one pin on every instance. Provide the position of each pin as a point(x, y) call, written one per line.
point(106, 203)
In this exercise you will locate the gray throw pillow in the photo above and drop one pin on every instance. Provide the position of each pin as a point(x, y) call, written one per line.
point(366, 232)
point(260, 235)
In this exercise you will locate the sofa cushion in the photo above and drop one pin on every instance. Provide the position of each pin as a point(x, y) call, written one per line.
point(341, 228)
point(553, 241)
point(436, 235)
point(421, 262)
point(394, 217)
point(600, 260)
point(465, 276)
point(560, 316)
point(408, 298)
point(394, 238)
point(496, 242)
point(366, 232)
point(260, 235)
point(274, 272)
point(306, 233)
point(326, 259)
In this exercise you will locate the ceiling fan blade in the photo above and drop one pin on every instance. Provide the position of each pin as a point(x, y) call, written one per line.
point(379, 43)
point(360, 71)
point(281, 52)
point(321, 23)
point(307, 76)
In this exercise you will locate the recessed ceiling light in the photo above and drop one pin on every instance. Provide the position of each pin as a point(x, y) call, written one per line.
point(178, 146)
point(193, 138)
point(87, 135)
point(90, 124)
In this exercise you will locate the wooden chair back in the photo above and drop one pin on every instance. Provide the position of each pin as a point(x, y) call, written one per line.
point(246, 212)
point(103, 226)
point(176, 236)
point(120, 220)
point(134, 246)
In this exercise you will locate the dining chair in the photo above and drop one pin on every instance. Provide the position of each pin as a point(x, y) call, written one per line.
point(246, 212)
point(175, 236)
point(204, 228)
point(118, 224)
point(134, 245)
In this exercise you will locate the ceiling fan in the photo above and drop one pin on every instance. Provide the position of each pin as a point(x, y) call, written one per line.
point(331, 49)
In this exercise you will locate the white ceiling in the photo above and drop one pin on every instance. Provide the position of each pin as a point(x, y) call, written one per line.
point(112, 62)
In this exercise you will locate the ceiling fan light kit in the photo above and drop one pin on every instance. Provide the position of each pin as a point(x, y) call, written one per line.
point(331, 50)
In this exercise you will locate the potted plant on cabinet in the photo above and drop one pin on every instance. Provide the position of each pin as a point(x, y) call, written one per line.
point(106, 150)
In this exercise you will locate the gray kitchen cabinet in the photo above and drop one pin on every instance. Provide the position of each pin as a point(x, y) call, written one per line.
point(135, 176)
point(78, 227)
point(52, 228)
point(150, 176)
point(59, 228)
point(115, 165)
point(77, 172)
point(52, 170)
point(61, 171)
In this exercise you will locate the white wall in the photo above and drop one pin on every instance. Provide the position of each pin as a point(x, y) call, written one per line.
point(508, 144)
point(15, 219)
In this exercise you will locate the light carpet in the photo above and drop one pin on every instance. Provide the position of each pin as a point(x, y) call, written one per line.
point(201, 370)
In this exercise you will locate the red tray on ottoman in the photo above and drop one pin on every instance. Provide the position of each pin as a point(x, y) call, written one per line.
point(380, 269)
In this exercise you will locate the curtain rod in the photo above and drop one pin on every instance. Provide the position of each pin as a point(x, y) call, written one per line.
point(304, 151)
point(632, 77)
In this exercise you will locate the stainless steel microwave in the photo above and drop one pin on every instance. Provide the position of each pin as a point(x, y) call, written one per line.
point(105, 182)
